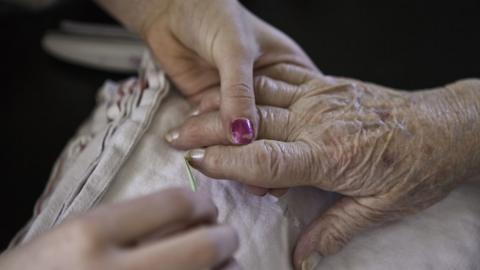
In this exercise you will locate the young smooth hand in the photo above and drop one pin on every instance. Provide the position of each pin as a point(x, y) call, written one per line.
point(389, 153)
point(206, 46)
point(172, 229)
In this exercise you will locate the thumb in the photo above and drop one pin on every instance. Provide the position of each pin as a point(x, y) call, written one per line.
point(335, 228)
point(237, 108)
point(263, 163)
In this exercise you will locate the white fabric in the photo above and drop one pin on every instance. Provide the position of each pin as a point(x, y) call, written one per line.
point(445, 236)
point(91, 159)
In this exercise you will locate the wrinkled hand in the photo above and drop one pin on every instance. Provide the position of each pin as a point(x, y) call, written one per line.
point(173, 229)
point(211, 46)
point(390, 153)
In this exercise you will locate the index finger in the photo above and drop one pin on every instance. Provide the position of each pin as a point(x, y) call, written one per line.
point(263, 163)
point(197, 248)
point(132, 220)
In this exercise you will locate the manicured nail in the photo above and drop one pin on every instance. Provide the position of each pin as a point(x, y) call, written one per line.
point(194, 112)
point(195, 155)
point(312, 261)
point(242, 131)
point(172, 136)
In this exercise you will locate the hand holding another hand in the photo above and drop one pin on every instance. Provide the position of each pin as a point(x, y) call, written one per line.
point(206, 46)
point(390, 153)
point(210, 49)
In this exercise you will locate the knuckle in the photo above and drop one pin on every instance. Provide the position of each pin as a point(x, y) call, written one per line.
point(190, 130)
point(242, 52)
point(311, 166)
point(333, 235)
point(261, 157)
point(83, 233)
point(215, 163)
point(341, 225)
point(282, 67)
point(184, 201)
point(296, 96)
point(332, 241)
point(269, 160)
point(191, 204)
point(211, 249)
point(261, 115)
point(206, 244)
point(240, 90)
point(261, 82)
point(210, 101)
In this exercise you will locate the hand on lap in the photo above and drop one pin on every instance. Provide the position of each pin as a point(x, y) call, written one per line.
point(387, 152)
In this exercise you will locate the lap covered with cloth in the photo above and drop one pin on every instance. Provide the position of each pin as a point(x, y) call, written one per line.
point(119, 153)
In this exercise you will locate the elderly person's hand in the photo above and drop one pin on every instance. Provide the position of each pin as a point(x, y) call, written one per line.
point(172, 229)
point(389, 153)
point(206, 45)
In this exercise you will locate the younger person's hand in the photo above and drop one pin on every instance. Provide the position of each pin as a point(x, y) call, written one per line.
point(207, 46)
point(172, 229)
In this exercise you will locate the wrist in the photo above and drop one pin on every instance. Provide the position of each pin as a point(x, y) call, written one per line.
point(465, 104)
point(452, 114)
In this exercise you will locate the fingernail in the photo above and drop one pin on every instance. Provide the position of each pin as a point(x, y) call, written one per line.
point(312, 261)
point(172, 136)
point(194, 112)
point(242, 131)
point(195, 155)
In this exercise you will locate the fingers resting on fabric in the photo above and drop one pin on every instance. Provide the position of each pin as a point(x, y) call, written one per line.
point(384, 150)
point(171, 229)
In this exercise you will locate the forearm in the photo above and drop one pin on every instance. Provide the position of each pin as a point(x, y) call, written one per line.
point(454, 111)
point(135, 14)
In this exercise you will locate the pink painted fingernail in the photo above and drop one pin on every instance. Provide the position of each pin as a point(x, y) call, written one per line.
point(242, 131)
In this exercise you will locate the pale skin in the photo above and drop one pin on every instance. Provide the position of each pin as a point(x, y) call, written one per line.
point(206, 47)
point(139, 234)
point(390, 153)
point(210, 46)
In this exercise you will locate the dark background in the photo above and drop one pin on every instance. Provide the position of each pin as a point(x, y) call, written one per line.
point(403, 44)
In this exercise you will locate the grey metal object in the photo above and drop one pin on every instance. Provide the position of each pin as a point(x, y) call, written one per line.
point(104, 47)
